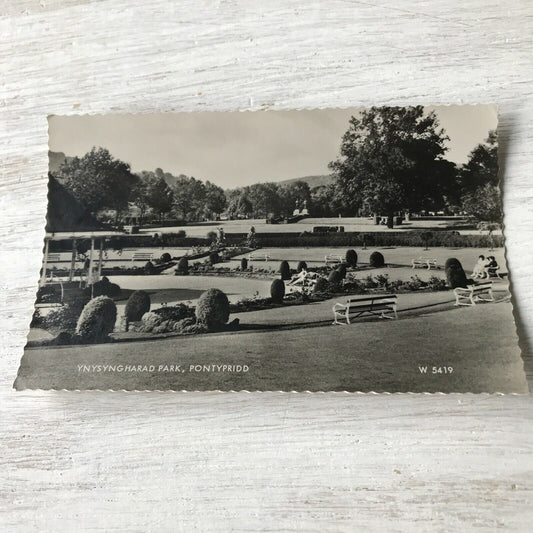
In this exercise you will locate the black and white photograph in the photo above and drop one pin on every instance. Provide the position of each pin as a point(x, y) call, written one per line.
point(354, 249)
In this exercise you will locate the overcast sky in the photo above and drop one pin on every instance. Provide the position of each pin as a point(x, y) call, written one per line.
point(241, 148)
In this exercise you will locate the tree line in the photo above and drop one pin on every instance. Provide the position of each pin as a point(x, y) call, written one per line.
point(392, 160)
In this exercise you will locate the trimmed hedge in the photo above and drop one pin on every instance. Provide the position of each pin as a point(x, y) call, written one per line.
point(214, 258)
point(455, 275)
point(351, 258)
point(302, 265)
point(97, 320)
point(277, 291)
point(244, 263)
point(341, 269)
point(285, 270)
point(165, 258)
point(183, 267)
point(212, 309)
point(377, 260)
point(137, 305)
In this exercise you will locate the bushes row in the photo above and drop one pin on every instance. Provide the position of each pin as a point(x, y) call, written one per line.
point(362, 239)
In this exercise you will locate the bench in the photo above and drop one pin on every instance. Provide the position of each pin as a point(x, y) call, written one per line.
point(142, 256)
point(424, 262)
point(473, 293)
point(53, 258)
point(383, 305)
point(332, 259)
point(258, 257)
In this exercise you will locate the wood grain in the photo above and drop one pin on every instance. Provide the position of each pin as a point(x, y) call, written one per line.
point(257, 462)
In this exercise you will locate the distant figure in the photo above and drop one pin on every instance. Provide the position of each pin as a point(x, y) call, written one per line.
point(480, 269)
point(492, 267)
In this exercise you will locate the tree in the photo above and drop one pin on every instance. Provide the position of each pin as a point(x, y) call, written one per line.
point(478, 182)
point(482, 166)
point(239, 205)
point(159, 196)
point(98, 181)
point(484, 204)
point(215, 200)
point(391, 159)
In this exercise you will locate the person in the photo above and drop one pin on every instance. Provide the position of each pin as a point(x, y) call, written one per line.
point(480, 268)
point(492, 266)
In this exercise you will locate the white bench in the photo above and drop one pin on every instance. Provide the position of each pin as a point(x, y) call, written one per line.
point(142, 256)
point(332, 259)
point(424, 262)
point(258, 257)
point(383, 305)
point(473, 293)
point(53, 258)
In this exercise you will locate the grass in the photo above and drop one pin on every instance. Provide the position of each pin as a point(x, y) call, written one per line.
point(375, 355)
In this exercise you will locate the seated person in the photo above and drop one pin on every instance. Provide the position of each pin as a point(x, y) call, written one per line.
point(480, 269)
point(492, 266)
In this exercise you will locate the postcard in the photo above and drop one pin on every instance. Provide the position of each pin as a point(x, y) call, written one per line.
point(355, 249)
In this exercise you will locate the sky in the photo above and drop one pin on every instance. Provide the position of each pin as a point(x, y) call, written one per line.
point(233, 149)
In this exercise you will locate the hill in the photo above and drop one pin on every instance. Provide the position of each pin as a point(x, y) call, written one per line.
point(312, 181)
point(55, 160)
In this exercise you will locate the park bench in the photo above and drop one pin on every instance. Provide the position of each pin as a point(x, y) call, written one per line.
point(332, 259)
point(53, 258)
point(382, 305)
point(473, 293)
point(141, 256)
point(258, 257)
point(424, 262)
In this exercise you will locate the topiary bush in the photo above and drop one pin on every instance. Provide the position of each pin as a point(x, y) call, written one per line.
point(212, 309)
point(277, 291)
point(183, 267)
point(334, 279)
point(214, 258)
point(377, 260)
point(285, 270)
point(64, 317)
point(244, 263)
point(341, 269)
point(175, 312)
point(321, 285)
point(138, 304)
point(149, 268)
point(455, 275)
point(302, 265)
point(102, 288)
point(351, 258)
point(165, 258)
point(97, 320)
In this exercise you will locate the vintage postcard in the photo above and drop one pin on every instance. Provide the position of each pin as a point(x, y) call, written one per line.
point(318, 250)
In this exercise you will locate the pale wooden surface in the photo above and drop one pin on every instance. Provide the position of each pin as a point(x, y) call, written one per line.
point(249, 462)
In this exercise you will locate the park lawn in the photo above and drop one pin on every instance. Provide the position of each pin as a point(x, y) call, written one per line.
point(479, 344)
point(394, 256)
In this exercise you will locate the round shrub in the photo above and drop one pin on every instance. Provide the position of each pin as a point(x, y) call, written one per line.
point(321, 285)
point(212, 309)
point(455, 275)
point(165, 258)
point(285, 270)
point(149, 268)
point(214, 258)
point(244, 263)
point(302, 265)
point(151, 320)
point(377, 260)
point(138, 304)
point(452, 262)
point(341, 269)
point(183, 267)
point(351, 258)
point(277, 291)
point(97, 320)
point(334, 278)
point(64, 317)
